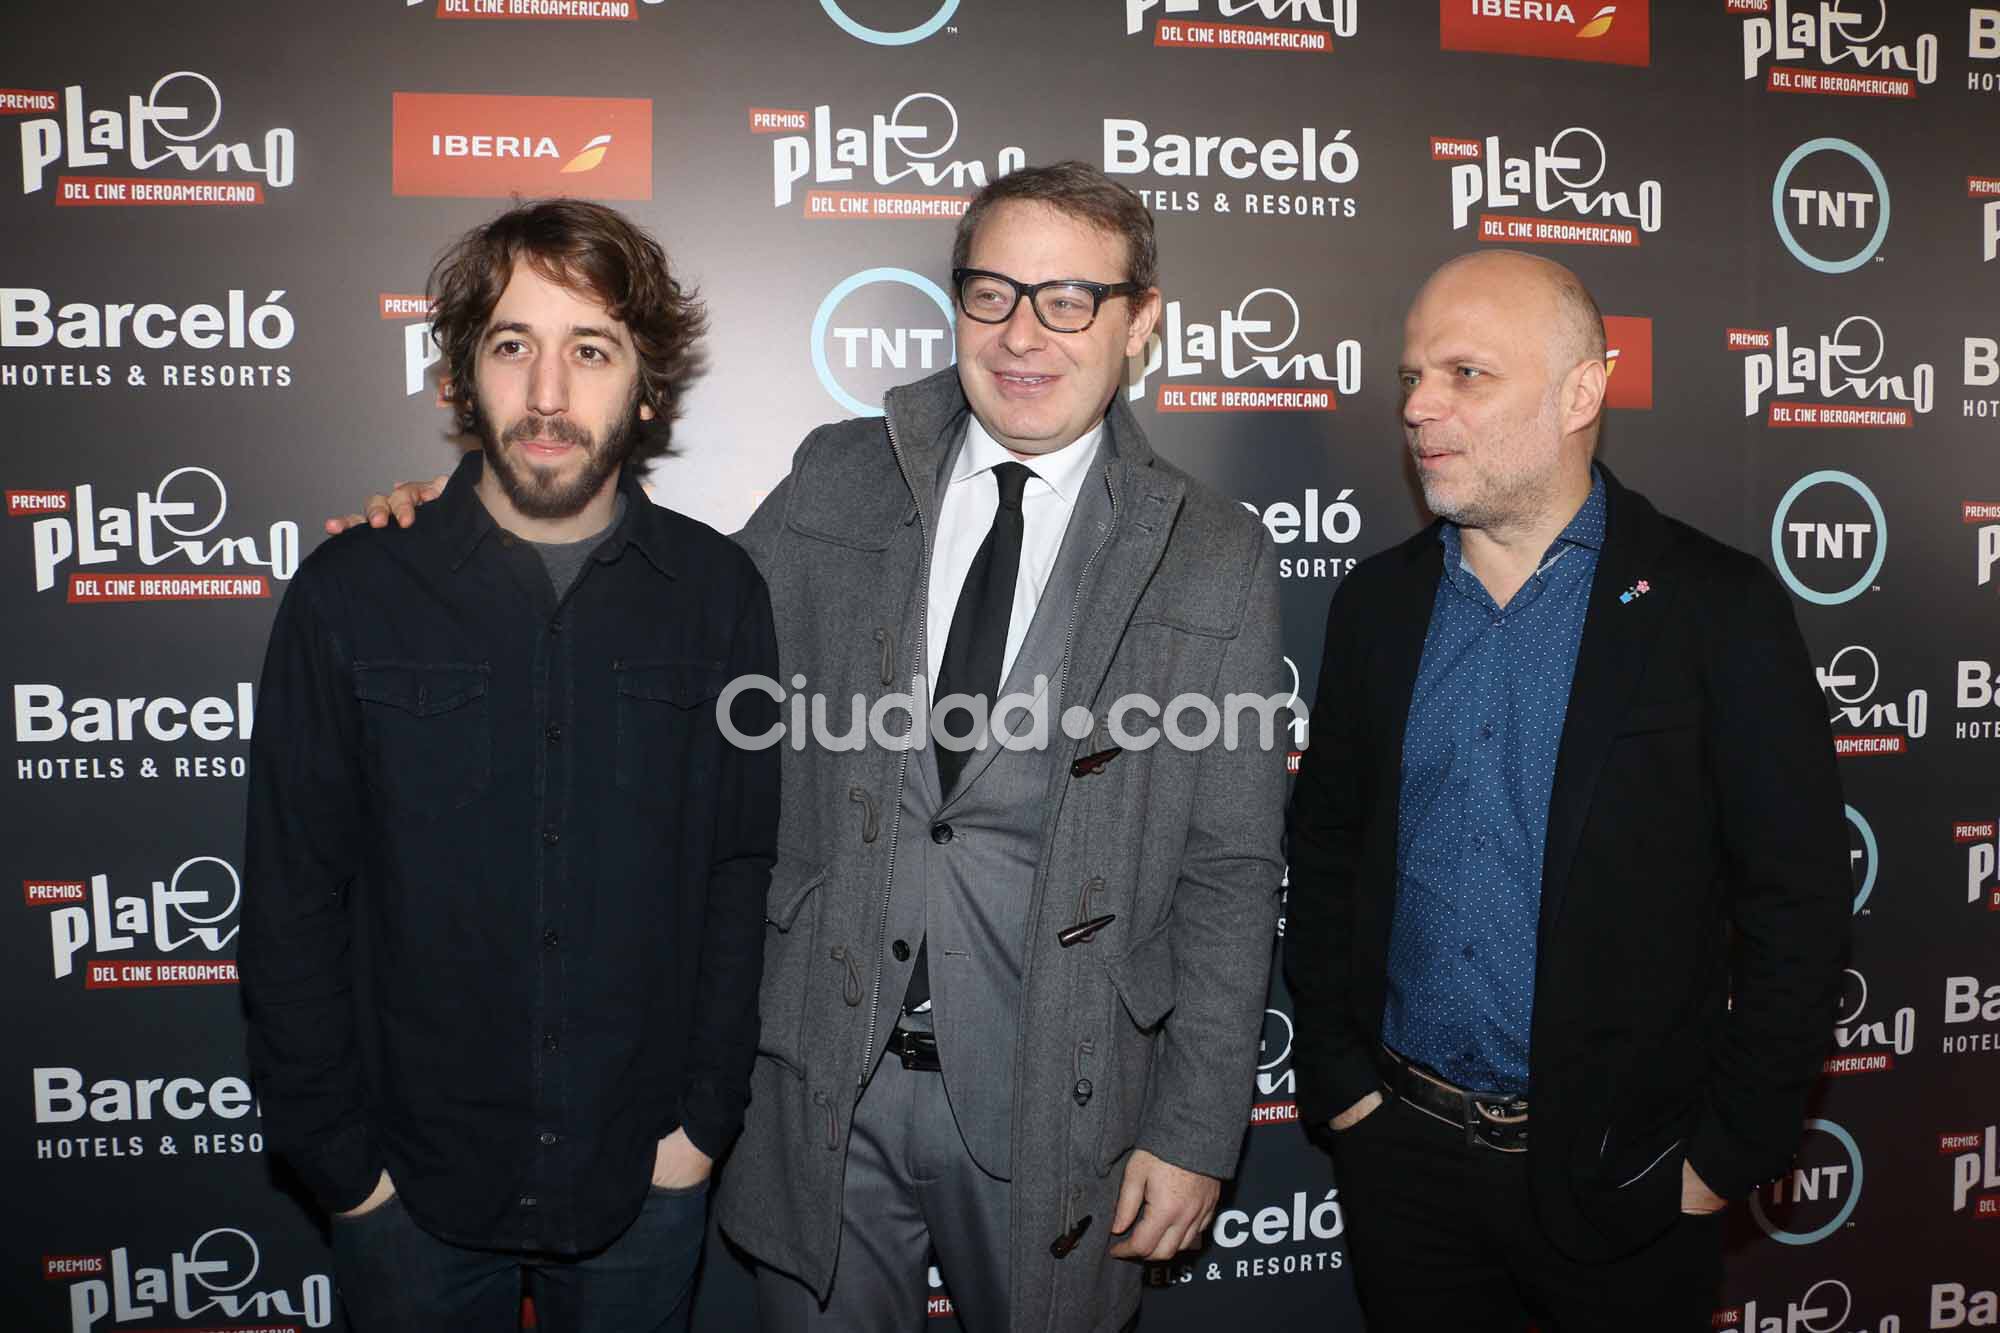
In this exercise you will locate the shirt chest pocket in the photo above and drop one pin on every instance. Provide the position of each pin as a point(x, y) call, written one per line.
point(666, 726)
point(427, 743)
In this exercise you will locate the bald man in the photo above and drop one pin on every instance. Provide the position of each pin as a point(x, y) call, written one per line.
point(1568, 866)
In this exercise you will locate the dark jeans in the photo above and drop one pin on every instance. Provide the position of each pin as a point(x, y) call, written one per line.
point(395, 1277)
point(1443, 1236)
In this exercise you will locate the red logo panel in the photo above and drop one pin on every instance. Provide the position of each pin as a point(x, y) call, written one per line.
point(1612, 34)
point(481, 146)
point(1628, 346)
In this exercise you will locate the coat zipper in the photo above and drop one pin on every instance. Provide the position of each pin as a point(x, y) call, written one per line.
point(902, 770)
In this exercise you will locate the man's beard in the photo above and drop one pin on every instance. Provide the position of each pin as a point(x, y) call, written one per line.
point(536, 492)
point(1504, 495)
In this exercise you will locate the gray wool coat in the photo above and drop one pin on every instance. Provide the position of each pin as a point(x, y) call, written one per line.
point(1160, 1011)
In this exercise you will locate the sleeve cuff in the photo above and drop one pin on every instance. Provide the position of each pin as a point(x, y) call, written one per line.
point(342, 1172)
point(708, 1126)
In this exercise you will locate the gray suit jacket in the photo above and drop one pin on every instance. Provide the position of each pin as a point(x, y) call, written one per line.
point(969, 895)
point(1143, 1035)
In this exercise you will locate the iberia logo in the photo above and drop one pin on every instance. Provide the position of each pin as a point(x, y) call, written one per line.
point(1616, 34)
point(1628, 362)
point(483, 146)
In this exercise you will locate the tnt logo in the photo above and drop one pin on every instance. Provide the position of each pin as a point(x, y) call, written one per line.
point(876, 330)
point(1841, 529)
point(1817, 1196)
point(1824, 213)
point(1863, 857)
point(837, 10)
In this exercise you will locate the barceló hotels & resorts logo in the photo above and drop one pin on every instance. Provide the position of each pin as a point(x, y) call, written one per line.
point(484, 146)
point(1834, 214)
point(1842, 530)
point(1612, 34)
point(1192, 23)
point(874, 330)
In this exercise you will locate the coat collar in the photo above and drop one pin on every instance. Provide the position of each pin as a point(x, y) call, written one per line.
point(925, 421)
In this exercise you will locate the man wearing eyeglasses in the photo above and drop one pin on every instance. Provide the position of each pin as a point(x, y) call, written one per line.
point(1011, 996)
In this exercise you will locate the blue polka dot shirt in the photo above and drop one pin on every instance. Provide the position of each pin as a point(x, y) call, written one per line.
point(1479, 762)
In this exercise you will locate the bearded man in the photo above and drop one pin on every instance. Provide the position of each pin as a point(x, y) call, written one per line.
point(504, 901)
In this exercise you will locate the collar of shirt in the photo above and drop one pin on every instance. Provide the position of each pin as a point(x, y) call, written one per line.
point(970, 501)
point(1585, 529)
point(1062, 471)
point(461, 520)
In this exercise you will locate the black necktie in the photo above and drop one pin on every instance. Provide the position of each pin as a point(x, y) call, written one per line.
point(975, 650)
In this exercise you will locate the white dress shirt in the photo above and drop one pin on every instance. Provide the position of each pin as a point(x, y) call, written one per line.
point(971, 499)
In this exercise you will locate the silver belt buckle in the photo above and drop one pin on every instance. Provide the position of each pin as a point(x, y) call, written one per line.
point(1504, 1116)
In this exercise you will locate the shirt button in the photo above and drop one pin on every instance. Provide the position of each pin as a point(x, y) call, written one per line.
point(555, 626)
point(550, 938)
point(901, 950)
point(940, 833)
point(1485, 730)
point(548, 1138)
point(1082, 1092)
point(528, 1201)
point(551, 836)
point(554, 733)
point(1468, 951)
point(549, 1043)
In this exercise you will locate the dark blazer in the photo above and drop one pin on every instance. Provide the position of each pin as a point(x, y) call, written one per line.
point(1696, 849)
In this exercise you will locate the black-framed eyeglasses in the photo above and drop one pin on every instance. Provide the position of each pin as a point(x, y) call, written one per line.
point(1064, 305)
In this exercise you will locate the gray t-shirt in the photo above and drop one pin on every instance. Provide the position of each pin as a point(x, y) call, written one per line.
point(565, 560)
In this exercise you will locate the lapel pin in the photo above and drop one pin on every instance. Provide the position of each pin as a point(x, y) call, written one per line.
point(1636, 591)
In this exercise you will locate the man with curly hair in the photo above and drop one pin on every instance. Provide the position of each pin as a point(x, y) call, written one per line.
point(503, 915)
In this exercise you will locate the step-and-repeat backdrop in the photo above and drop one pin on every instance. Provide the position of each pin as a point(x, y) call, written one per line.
point(215, 223)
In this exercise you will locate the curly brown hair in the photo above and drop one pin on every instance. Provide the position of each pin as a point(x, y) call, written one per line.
point(585, 247)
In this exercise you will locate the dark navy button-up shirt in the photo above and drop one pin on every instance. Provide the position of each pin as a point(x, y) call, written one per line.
point(503, 900)
point(1479, 762)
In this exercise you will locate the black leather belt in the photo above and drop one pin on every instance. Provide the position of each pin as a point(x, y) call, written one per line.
point(917, 1050)
point(1489, 1119)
